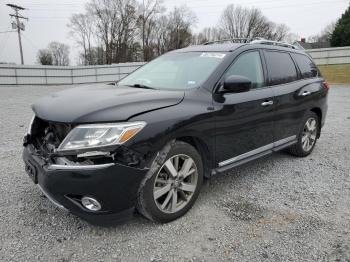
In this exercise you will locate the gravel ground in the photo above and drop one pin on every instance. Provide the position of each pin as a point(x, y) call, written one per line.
point(279, 208)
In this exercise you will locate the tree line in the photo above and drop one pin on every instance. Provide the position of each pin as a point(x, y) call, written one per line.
point(116, 31)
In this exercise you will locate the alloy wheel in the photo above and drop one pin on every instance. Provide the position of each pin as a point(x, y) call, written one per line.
point(309, 134)
point(175, 184)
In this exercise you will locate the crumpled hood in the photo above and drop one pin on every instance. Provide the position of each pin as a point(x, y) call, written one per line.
point(102, 103)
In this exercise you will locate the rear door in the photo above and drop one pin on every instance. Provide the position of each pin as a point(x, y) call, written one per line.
point(244, 121)
point(286, 83)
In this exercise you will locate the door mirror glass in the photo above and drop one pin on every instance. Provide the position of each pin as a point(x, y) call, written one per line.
point(236, 84)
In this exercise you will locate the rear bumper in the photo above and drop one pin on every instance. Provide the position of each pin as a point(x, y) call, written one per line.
point(114, 185)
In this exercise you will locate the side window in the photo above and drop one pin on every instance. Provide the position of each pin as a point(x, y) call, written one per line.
point(248, 65)
point(281, 68)
point(307, 67)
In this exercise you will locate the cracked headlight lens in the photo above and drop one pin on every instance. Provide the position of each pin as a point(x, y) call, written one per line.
point(100, 135)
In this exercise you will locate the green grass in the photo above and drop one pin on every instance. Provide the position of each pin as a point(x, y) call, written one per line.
point(339, 74)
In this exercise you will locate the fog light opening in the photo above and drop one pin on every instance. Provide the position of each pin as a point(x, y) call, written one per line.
point(90, 203)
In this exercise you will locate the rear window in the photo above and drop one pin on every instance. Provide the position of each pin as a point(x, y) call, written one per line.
point(307, 68)
point(281, 68)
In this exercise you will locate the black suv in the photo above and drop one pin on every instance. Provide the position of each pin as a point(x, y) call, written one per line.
point(148, 141)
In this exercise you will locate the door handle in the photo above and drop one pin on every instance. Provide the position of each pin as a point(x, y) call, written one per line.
point(267, 103)
point(306, 93)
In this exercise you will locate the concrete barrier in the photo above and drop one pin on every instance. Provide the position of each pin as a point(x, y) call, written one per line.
point(331, 56)
point(63, 75)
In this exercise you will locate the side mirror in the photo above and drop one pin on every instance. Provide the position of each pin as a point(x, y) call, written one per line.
point(236, 84)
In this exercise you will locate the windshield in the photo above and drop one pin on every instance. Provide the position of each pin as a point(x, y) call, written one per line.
point(175, 71)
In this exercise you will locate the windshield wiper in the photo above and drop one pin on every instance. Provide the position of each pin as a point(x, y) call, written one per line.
point(141, 86)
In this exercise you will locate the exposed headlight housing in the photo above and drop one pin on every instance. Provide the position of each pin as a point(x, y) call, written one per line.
point(92, 136)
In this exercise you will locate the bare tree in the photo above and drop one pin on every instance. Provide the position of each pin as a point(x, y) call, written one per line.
point(325, 35)
point(208, 34)
point(277, 32)
point(125, 37)
point(115, 22)
point(124, 30)
point(149, 9)
point(81, 26)
point(241, 22)
point(178, 28)
point(45, 57)
point(60, 53)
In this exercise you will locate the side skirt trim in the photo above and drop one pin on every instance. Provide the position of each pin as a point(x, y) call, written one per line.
point(255, 154)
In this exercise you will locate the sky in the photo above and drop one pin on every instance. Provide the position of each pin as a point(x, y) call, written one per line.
point(48, 20)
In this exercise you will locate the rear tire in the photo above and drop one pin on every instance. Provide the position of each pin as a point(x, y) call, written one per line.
point(172, 185)
point(307, 136)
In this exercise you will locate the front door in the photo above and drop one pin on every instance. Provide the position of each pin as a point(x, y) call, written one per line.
point(244, 121)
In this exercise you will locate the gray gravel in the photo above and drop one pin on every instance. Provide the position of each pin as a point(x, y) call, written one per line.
point(279, 208)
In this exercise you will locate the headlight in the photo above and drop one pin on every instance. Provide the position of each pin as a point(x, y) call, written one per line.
point(100, 135)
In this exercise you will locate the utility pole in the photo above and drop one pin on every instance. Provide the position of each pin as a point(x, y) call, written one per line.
point(18, 25)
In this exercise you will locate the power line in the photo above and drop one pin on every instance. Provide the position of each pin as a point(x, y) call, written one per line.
point(207, 12)
point(18, 25)
point(277, 7)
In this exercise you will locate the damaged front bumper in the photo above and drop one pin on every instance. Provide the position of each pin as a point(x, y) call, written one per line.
point(113, 184)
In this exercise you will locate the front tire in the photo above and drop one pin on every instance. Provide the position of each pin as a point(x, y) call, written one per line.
point(307, 137)
point(171, 189)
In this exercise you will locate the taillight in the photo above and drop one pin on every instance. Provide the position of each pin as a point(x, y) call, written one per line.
point(326, 85)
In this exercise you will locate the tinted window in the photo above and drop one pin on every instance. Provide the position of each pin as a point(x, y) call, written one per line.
point(307, 67)
point(281, 68)
point(248, 65)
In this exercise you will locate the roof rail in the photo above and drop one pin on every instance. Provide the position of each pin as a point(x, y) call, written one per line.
point(271, 42)
point(232, 40)
point(256, 40)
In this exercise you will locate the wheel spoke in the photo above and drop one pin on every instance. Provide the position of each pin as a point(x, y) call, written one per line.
point(167, 199)
point(182, 195)
point(176, 163)
point(186, 166)
point(313, 137)
point(174, 201)
point(189, 173)
point(170, 168)
point(305, 143)
point(187, 187)
point(309, 144)
point(160, 192)
point(312, 125)
point(307, 125)
point(303, 138)
point(161, 181)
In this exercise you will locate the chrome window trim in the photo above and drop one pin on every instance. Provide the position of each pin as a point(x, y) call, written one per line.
point(257, 150)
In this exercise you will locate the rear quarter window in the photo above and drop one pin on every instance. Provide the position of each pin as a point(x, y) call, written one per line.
point(307, 67)
point(281, 67)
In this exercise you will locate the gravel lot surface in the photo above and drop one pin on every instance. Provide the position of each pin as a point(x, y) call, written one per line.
point(279, 208)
